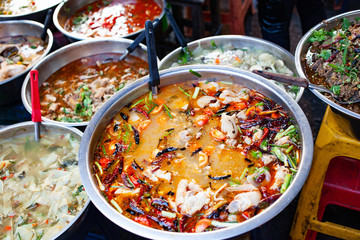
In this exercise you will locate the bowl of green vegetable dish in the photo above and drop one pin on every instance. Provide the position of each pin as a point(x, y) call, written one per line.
point(328, 55)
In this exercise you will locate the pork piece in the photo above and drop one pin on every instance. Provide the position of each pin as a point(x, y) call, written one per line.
point(72, 99)
point(100, 82)
point(190, 197)
point(244, 201)
point(53, 107)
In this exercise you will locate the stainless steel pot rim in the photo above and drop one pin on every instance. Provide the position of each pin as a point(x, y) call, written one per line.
point(30, 13)
point(236, 38)
point(47, 50)
point(111, 213)
point(82, 37)
point(27, 104)
point(301, 72)
point(17, 126)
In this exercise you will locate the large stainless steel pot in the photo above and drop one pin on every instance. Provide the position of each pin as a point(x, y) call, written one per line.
point(10, 88)
point(70, 53)
point(303, 47)
point(68, 8)
point(28, 128)
point(38, 15)
point(176, 75)
point(238, 42)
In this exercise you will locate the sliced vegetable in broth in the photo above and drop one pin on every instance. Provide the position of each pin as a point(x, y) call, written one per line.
point(198, 156)
point(41, 187)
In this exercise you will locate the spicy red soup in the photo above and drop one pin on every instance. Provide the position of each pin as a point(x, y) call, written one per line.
point(199, 156)
point(112, 18)
point(77, 90)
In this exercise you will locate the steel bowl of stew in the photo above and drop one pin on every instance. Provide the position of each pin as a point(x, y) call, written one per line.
point(42, 192)
point(328, 55)
point(240, 52)
point(26, 9)
point(77, 79)
point(84, 19)
point(20, 48)
point(218, 152)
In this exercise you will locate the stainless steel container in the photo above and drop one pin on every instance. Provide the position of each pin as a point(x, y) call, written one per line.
point(303, 47)
point(68, 8)
point(238, 42)
point(176, 75)
point(10, 89)
point(70, 53)
point(28, 128)
point(38, 15)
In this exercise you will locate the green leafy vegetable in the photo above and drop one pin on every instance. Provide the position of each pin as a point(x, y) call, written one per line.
point(335, 89)
point(325, 54)
point(346, 24)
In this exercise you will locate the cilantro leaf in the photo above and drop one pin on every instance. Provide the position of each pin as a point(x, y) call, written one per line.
point(325, 54)
point(335, 89)
point(346, 24)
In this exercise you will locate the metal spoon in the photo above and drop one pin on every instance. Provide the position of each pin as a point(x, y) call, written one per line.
point(46, 24)
point(176, 28)
point(137, 41)
point(302, 82)
point(35, 103)
point(152, 59)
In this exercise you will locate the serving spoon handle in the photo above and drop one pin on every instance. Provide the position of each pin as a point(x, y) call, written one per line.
point(302, 82)
point(137, 41)
point(46, 24)
point(35, 103)
point(153, 68)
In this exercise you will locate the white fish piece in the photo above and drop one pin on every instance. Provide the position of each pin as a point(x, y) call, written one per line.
point(228, 125)
point(244, 201)
point(283, 140)
point(268, 158)
point(251, 177)
point(190, 197)
point(279, 177)
point(205, 100)
point(258, 134)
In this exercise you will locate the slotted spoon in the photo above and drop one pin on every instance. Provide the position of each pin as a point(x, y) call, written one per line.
point(303, 82)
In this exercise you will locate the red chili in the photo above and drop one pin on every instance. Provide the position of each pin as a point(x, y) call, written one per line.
point(139, 110)
point(104, 162)
point(142, 220)
point(266, 131)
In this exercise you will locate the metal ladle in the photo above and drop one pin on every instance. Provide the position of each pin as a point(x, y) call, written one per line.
point(35, 103)
point(152, 59)
point(302, 82)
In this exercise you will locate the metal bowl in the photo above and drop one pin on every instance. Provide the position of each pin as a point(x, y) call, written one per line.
point(70, 53)
point(28, 128)
point(38, 15)
point(68, 8)
point(176, 75)
point(238, 42)
point(303, 47)
point(10, 88)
